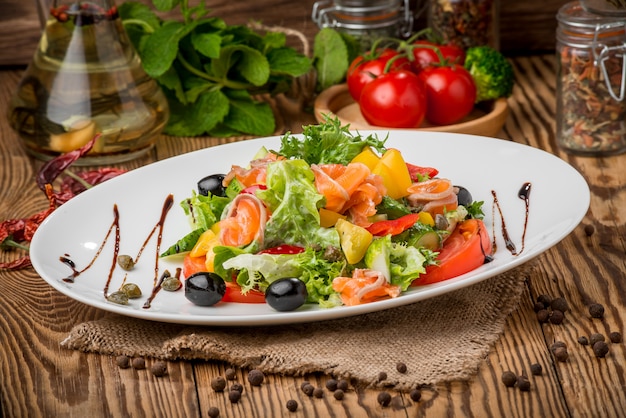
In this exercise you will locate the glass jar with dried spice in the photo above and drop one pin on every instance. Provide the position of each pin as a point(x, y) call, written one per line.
point(466, 23)
point(591, 82)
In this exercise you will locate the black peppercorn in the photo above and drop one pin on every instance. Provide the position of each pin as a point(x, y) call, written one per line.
point(331, 384)
point(415, 395)
point(582, 340)
point(523, 383)
point(596, 310)
point(238, 387)
point(556, 317)
point(234, 396)
point(594, 338)
point(292, 405)
point(318, 393)
point(382, 376)
point(536, 369)
point(600, 349)
point(214, 412)
point(543, 316)
point(139, 363)
point(559, 304)
point(343, 384)
point(123, 362)
point(561, 354)
point(509, 379)
point(159, 369)
point(338, 394)
point(545, 300)
point(615, 337)
point(401, 367)
point(384, 398)
point(256, 377)
point(589, 230)
point(538, 306)
point(557, 344)
point(218, 384)
point(308, 389)
point(230, 374)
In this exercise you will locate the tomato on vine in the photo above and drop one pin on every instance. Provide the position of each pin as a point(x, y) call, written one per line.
point(366, 68)
point(426, 53)
point(450, 93)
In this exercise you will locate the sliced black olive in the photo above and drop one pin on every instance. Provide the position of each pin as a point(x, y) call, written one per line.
point(204, 289)
point(286, 294)
point(464, 197)
point(212, 184)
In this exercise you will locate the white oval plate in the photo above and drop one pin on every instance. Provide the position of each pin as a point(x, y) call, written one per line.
point(559, 199)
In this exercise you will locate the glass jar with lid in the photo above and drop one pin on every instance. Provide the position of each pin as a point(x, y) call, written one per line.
point(591, 59)
point(466, 23)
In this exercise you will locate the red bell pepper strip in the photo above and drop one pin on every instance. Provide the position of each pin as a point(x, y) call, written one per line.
point(418, 173)
point(393, 227)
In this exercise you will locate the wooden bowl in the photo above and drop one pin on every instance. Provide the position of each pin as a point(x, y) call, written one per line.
point(487, 118)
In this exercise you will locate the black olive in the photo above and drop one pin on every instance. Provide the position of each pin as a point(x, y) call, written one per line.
point(286, 294)
point(204, 289)
point(464, 197)
point(212, 184)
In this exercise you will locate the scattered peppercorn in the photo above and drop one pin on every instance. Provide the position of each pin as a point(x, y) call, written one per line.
point(600, 349)
point(401, 367)
point(557, 317)
point(338, 394)
point(308, 389)
point(123, 362)
point(382, 376)
point(538, 306)
point(557, 344)
point(256, 377)
point(543, 316)
point(509, 379)
point(523, 383)
point(536, 369)
point(559, 304)
point(331, 384)
point(384, 398)
point(415, 395)
point(139, 363)
point(238, 387)
point(594, 338)
point(159, 369)
point(615, 337)
point(230, 374)
point(545, 300)
point(318, 393)
point(234, 396)
point(343, 384)
point(582, 340)
point(589, 230)
point(561, 354)
point(218, 384)
point(596, 310)
point(214, 412)
point(292, 405)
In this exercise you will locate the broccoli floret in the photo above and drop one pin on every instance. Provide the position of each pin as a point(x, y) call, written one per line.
point(492, 73)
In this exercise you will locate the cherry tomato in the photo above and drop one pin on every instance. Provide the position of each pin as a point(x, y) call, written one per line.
point(425, 54)
point(450, 93)
point(467, 248)
point(365, 68)
point(393, 227)
point(394, 100)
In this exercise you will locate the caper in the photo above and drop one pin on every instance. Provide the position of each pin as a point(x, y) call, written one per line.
point(132, 290)
point(118, 297)
point(171, 284)
point(126, 262)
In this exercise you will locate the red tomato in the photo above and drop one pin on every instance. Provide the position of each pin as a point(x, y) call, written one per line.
point(466, 249)
point(393, 227)
point(394, 100)
point(416, 172)
point(365, 68)
point(450, 93)
point(233, 294)
point(425, 54)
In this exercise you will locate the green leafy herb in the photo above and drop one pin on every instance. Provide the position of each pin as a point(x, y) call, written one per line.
point(212, 72)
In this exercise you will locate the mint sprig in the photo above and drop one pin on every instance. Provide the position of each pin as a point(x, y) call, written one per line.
point(212, 72)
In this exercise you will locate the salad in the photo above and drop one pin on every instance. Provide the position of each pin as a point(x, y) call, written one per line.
point(331, 218)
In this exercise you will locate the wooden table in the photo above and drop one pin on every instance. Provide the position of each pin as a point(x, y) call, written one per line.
point(39, 378)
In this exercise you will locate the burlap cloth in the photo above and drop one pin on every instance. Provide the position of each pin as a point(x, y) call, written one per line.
point(440, 339)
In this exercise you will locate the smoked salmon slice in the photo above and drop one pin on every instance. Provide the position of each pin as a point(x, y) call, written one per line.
point(245, 221)
point(364, 286)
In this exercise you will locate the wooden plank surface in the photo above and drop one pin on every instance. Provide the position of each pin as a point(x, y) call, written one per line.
point(525, 27)
point(39, 379)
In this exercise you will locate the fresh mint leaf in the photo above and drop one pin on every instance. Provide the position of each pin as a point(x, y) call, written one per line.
point(140, 12)
point(251, 118)
point(171, 81)
point(161, 48)
point(165, 5)
point(330, 58)
point(200, 117)
point(248, 62)
point(274, 40)
point(288, 61)
point(208, 44)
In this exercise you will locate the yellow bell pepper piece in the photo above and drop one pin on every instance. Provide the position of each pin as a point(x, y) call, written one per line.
point(367, 157)
point(426, 218)
point(396, 178)
point(354, 240)
point(206, 242)
point(328, 218)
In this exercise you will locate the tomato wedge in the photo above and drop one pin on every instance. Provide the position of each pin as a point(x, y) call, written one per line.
point(233, 294)
point(416, 172)
point(467, 248)
point(393, 227)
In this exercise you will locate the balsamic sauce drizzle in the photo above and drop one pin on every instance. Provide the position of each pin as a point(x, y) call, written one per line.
point(115, 225)
point(524, 194)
